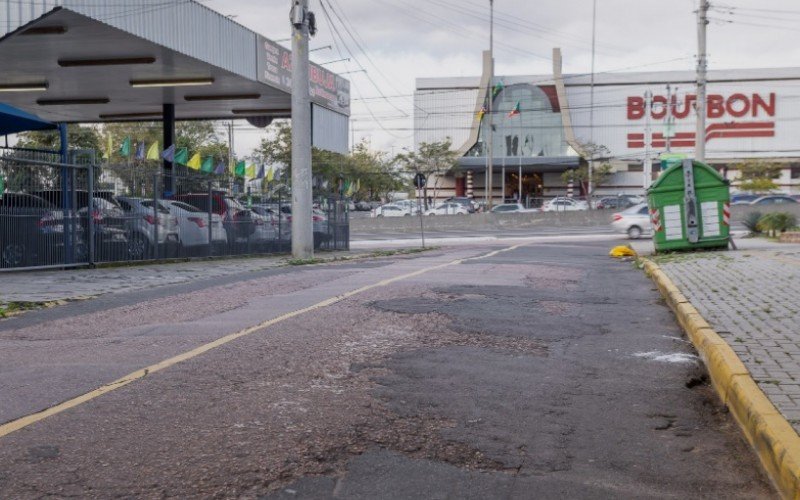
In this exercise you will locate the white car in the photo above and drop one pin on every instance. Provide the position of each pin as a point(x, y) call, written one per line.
point(193, 225)
point(391, 210)
point(411, 206)
point(562, 204)
point(449, 208)
point(633, 221)
point(510, 208)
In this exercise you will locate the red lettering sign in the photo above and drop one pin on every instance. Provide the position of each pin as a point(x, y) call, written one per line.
point(737, 105)
point(635, 108)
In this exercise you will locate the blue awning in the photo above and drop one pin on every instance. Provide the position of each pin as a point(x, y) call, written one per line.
point(13, 120)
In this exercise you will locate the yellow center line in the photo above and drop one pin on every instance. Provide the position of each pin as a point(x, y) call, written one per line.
point(27, 420)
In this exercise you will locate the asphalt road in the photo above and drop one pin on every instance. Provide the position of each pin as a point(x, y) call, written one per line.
point(486, 371)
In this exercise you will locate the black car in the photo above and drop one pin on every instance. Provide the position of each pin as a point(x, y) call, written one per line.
point(32, 232)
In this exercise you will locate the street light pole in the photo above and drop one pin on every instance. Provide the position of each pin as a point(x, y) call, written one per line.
point(302, 229)
point(700, 132)
point(490, 132)
point(589, 182)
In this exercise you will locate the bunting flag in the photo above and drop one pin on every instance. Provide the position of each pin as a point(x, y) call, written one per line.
point(497, 89)
point(140, 151)
point(481, 113)
point(358, 185)
point(208, 165)
point(2, 186)
point(194, 163)
point(271, 174)
point(152, 152)
point(251, 171)
point(109, 148)
point(515, 111)
point(261, 171)
point(182, 156)
point(169, 154)
point(240, 169)
point(220, 170)
point(125, 148)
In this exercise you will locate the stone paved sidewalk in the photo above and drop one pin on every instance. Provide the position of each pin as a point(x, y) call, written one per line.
point(752, 299)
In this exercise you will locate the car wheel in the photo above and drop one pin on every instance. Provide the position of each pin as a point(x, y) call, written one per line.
point(137, 246)
point(634, 232)
point(13, 255)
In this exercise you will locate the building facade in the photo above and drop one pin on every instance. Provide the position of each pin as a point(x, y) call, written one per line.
point(543, 125)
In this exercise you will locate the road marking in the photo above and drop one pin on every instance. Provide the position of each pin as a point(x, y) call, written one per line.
point(27, 420)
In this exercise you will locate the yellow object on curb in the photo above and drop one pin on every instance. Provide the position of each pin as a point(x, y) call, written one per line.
point(622, 251)
point(774, 439)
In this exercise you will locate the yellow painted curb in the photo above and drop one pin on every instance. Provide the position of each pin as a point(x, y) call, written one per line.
point(775, 441)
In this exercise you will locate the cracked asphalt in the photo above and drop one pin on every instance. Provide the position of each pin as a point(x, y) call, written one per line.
point(545, 371)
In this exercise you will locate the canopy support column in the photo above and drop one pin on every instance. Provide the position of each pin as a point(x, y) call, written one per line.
point(169, 140)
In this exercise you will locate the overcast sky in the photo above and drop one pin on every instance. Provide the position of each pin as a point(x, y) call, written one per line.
point(397, 41)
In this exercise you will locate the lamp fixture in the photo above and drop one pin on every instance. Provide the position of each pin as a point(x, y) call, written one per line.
point(24, 87)
point(45, 30)
point(263, 112)
point(70, 63)
point(123, 116)
point(228, 97)
point(70, 102)
point(183, 82)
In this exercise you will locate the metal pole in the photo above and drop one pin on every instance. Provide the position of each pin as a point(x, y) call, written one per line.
point(210, 220)
point(230, 144)
point(419, 211)
point(669, 130)
point(700, 133)
point(490, 131)
point(89, 211)
point(648, 139)
point(169, 140)
point(156, 218)
point(589, 182)
point(302, 230)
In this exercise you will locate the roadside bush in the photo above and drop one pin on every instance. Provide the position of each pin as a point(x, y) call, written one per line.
point(751, 222)
point(776, 222)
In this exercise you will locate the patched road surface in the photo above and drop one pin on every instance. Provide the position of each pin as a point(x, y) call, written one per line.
point(541, 371)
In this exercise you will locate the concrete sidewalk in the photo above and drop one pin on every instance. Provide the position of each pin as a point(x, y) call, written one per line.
point(750, 298)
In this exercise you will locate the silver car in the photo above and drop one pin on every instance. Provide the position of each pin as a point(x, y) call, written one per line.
point(193, 226)
point(633, 221)
point(141, 225)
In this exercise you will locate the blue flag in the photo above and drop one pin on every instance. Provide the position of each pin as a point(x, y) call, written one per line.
point(140, 151)
point(220, 168)
point(261, 172)
point(169, 154)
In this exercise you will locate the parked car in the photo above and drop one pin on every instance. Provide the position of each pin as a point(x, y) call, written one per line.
point(236, 220)
point(279, 220)
point(148, 229)
point(634, 221)
point(390, 210)
point(363, 206)
point(512, 208)
point(615, 202)
point(110, 229)
point(467, 202)
point(563, 204)
point(193, 227)
point(744, 198)
point(411, 206)
point(32, 232)
point(449, 208)
point(319, 220)
point(774, 199)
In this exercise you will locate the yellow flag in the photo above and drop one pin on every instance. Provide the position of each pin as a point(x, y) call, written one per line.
point(271, 174)
point(251, 171)
point(107, 154)
point(194, 163)
point(152, 153)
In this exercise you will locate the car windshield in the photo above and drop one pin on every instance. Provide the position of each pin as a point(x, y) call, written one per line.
point(149, 204)
point(187, 207)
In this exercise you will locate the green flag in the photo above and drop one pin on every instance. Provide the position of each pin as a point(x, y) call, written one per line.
point(181, 156)
point(2, 187)
point(125, 149)
point(240, 169)
point(208, 165)
point(498, 88)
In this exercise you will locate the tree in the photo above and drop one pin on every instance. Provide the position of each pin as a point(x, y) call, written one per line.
point(432, 158)
point(758, 175)
point(601, 173)
point(78, 137)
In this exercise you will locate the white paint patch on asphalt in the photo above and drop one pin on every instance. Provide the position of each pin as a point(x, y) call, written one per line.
point(363, 244)
point(673, 357)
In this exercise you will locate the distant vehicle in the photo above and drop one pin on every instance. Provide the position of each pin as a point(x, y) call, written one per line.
point(774, 199)
point(32, 231)
point(110, 229)
point(745, 198)
point(363, 206)
point(450, 208)
point(617, 202)
point(562, 204)
point(512, 208)
point(193, 226)
point(468, 203)
point(634, 221)
point(391, 210)
point(141, 226)
point(411, 206)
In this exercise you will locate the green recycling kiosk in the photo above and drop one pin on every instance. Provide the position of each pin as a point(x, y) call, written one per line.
point(689, 208)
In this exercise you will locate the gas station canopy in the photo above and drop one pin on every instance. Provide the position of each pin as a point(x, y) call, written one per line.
point(125, 60)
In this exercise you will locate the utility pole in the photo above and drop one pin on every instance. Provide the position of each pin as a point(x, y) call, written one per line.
point(700, 134)
point(648, 139)
point(230, 143)
point(302, 229)
point(490, 131)
point(669, 127)
point(591, 111)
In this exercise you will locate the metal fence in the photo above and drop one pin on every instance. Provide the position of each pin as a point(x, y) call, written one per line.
point(61, 215)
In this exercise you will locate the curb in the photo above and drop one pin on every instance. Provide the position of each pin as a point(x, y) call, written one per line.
point(775, 441)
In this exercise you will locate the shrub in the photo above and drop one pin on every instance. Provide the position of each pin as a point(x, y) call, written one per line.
point(776, 222)
point(751, 222)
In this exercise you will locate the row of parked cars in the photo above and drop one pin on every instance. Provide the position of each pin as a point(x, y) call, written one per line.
point(34, 231)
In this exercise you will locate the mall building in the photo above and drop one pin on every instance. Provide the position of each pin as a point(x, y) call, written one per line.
point(543, 124)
